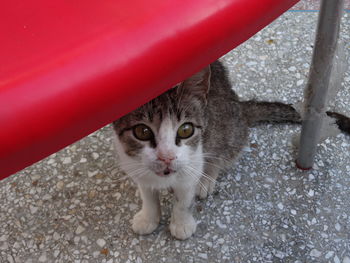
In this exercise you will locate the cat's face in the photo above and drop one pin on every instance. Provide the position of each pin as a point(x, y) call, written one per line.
point(160, 143)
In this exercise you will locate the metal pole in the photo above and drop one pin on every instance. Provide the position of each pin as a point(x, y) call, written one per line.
point(317, 88)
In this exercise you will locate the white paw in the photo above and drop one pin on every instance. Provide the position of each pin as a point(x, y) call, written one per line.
point(205, 188)
point(184, 229)
point(143, 224)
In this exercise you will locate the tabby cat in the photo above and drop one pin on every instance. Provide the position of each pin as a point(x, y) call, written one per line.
point(183, 138)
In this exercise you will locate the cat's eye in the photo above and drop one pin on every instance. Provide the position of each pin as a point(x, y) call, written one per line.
point(185, 131)
point(142, 132)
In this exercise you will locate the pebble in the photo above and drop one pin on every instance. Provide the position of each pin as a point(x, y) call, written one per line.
point(46, 197)
point(221, 241)
point(280, 254)
point(17, 245)
point(203, 255)
point(51, 161)
point(251, 63)
point(56, 236)
point(220, 224)
point(10, 259)
point(92, 173)
point(60, 185)
point(33, 209)
point(67, 160)
point(92, 194)
point(117, 195)
point(300, 82)
point(101, 242)
point(85, 240)
point(43, 258)
point(117, 218)
point(95, 155)
point(311, 193)
point(315, 253)
point(4, 246)
point(329, 254)
point(95, 254)
point(35, 177)
point(80, 229)
point(134, 242)
point(337, 226)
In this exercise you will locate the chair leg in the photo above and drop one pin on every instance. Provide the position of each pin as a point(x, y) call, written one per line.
point(317, 87)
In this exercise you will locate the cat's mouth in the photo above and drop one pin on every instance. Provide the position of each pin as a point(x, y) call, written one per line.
point(166, 172)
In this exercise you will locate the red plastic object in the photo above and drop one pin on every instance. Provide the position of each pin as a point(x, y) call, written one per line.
point(67, 68)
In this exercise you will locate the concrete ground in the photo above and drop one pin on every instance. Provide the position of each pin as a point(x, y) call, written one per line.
point(75, 205)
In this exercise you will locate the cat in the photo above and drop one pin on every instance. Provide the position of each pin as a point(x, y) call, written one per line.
point(183, 138)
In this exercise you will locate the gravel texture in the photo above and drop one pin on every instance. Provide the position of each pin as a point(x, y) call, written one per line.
point(312, 5)
point(76, 205)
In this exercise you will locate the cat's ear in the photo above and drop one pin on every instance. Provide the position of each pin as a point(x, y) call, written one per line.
point(197, 86)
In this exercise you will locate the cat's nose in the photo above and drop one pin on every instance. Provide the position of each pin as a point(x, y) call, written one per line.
point(166, 159)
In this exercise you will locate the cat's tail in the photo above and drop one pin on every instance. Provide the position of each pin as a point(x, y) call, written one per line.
point(261, 111)
point(341, 120)
point(277, 112)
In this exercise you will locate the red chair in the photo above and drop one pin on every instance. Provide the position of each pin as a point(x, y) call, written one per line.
point(70, 67)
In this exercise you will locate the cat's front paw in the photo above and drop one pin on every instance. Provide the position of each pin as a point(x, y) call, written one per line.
point(205, 188)
point(183, 229)
point(144, 224)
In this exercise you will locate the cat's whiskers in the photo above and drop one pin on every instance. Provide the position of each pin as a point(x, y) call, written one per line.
point(214, 156)
point(200, 162)
point(122, 178)
point(130, 163)
point(226, 170)
point(136, 175)
point(133, 170)
point(197, 179)
point(206, 176)
point(131, 167)
point(202, 174)
point(221, 168)
point(133, 175)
